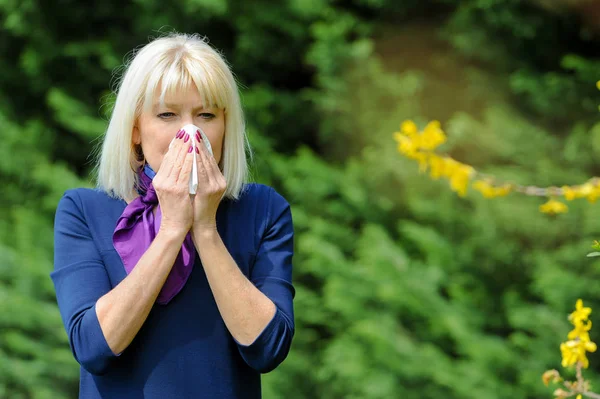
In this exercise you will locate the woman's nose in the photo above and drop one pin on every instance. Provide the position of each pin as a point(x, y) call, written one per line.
point(187, 120)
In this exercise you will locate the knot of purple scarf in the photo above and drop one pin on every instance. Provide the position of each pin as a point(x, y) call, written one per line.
point(136, 229)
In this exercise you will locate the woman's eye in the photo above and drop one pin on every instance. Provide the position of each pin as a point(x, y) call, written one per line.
point(166, 115)
point(207, 115)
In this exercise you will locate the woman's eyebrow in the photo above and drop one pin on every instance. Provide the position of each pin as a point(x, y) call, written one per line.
point(176, 106)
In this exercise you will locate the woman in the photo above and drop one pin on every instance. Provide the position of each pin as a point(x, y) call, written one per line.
point(165, 294)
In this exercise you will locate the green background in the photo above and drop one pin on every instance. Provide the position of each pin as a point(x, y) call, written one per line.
point(404, 290)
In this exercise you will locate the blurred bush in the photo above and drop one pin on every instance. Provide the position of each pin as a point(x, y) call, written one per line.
point(403, 290)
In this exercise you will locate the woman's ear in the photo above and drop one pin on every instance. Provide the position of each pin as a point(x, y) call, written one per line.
point(136, 138)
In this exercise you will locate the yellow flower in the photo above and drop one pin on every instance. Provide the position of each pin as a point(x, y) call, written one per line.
point(459, 178)
point(407, 147)
point(574, 351)
point(553, 207)
point(504, 190)
point(484, 188)
point(568, 351)
point(590, 346)
point(581, 331)
point(436, 166)
point(489, 191)
point(569, 192)
point(432, 136)
point(434, 125)
point(586, 189)
point(580, 314)
point(593, 195)
point(409, 128)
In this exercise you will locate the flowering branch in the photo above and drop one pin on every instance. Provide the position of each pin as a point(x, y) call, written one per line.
point(421, 146)
point(574, 353)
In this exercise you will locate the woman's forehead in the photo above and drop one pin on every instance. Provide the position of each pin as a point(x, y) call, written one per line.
point(180, 96)
point(177, 96)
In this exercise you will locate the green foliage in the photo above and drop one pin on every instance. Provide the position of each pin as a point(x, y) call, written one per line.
point(547, 54)
point(403, 289)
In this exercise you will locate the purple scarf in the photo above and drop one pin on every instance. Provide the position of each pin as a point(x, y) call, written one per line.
point(136, 229)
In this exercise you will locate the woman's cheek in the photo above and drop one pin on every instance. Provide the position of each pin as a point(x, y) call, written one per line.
point(218, 155)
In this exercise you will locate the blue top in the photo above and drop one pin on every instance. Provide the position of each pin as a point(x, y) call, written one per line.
point(184, 349)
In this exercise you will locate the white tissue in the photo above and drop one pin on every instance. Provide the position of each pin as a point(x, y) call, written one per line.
point(191, 131)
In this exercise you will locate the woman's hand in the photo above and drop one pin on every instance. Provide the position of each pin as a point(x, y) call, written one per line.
point(211, 187)
point(171, 184)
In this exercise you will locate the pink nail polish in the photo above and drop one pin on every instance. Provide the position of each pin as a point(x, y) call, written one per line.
point(179, 134)
point(190, 149)
point(198, 135)
point(197, 150)
point(187, 137)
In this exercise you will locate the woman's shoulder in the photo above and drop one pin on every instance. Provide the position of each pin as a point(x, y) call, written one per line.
point(258, 203)
point(87, 199)
point(258, 193)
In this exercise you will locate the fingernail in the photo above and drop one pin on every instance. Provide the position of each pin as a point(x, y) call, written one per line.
point(198, 136)
point(197, 150)
point(190, 149)
point(187, 137)
point(179, 134)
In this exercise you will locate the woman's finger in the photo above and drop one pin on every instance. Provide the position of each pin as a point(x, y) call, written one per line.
point(166, 166)
point(186, 169)
point(182, 147)
point(202, 172)
point(215, 178)
point(213, 163)
point(208, 161)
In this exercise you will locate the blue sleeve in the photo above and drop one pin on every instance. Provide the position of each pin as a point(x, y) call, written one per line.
point(272, 275)
point(80, 279)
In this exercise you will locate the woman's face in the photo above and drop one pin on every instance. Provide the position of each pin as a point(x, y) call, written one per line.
point(154, 129)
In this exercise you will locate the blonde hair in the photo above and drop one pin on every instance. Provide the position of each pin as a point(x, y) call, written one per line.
point(175, 62)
